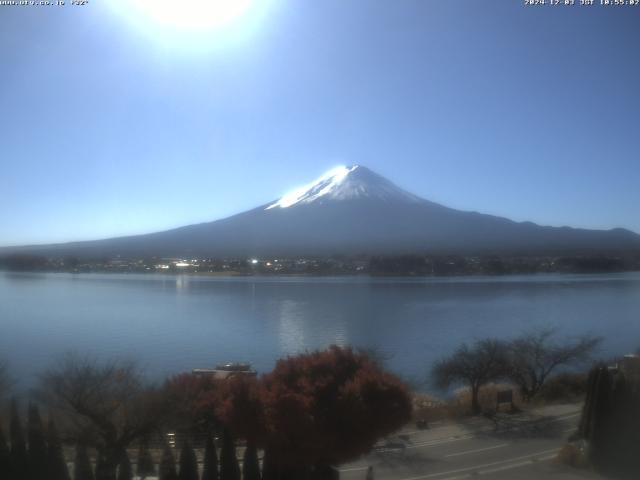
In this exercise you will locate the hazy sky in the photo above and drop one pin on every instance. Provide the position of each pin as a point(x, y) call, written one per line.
point(114, 123)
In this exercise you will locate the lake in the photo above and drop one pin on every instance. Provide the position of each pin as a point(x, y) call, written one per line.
point(176, 323)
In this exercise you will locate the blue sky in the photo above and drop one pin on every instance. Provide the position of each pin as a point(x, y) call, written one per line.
point(112, 124)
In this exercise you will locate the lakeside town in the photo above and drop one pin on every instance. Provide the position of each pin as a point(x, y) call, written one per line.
point(388, 265)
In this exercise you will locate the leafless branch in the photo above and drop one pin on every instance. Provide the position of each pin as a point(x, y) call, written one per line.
point(535, 355)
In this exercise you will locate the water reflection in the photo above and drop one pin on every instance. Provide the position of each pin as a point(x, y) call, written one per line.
point(290, 328)
point(182, 283)
point(173, 323)
point(298, 331)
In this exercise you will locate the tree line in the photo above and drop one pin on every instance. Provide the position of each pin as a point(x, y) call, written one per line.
point(526, 361)
point(313, 411)
point(39, 455)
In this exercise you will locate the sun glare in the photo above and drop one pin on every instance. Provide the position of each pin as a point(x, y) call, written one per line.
point(192, 14)
point(194, 26)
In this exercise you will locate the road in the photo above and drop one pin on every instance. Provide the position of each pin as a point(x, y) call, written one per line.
point(513, 447)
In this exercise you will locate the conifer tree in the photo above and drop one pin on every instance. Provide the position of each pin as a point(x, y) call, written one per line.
point(210, 470)
point(101, 467)
point(611, 423)
point(145, 467)
point(188, 463)
point(125, 472)
point(167, 469)
point(19, 462)
point(82, 465)
point(601, 418)
point(229, 469)
point(250, 464)
point(5, 456)
point(586, 420)
point(56, 463)
point(37, 453)
point(269, 468)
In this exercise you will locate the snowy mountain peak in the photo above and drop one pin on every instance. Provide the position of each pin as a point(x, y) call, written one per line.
point(345, 183)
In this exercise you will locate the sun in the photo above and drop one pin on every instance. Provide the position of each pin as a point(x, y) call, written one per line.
point(193, 27)
point(192, 15)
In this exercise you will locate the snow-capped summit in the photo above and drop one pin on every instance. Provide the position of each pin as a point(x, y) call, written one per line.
point(346, 183)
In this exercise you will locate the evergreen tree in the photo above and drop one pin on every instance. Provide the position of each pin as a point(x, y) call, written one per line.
point(250, 464)
point(229, 469)
point(5, 456)
point(611, 423)
point(19, 461)
point(145, 467)
point(586, 420)
point(210, 471)
point(622, 429)
point(167, 470)
point(37, 454)
point(188, 463)
point(56, 463)
point(269, 468)
point(600, 429)
point(125, 472)
point(103, 472)
point(99, 468)
point(82, 465)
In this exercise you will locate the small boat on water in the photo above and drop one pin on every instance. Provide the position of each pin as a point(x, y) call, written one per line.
point(226, 370)
point(234, 367)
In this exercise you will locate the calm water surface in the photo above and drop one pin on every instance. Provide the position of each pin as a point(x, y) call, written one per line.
point(175, 323)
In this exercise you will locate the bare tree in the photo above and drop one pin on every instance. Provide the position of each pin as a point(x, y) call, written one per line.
point(535, 355)
point(474, 366)
point(107, 405)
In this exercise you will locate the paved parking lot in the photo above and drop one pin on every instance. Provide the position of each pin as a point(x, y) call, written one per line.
point(522, 446)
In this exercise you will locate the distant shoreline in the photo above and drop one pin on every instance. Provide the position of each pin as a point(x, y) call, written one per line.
point(314, 275)
point(409, 265)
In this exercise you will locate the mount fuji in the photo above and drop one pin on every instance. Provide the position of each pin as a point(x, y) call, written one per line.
point(351, 210)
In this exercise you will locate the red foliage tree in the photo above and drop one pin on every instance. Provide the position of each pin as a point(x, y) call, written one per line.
point(193, 401)
point(328, 407)
point(241, 409)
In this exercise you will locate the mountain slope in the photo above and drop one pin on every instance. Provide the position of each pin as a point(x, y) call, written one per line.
point(352, 210)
